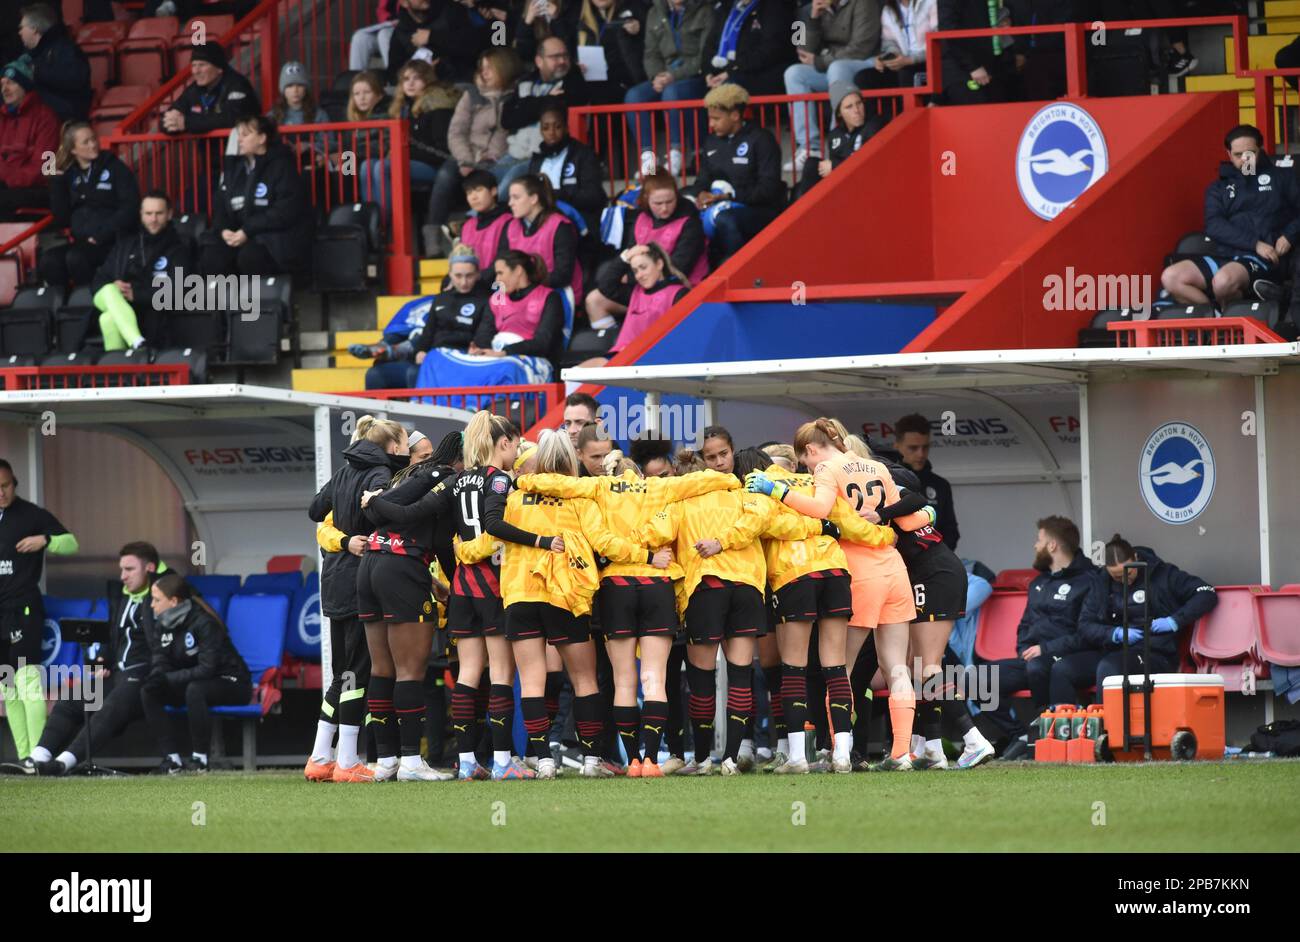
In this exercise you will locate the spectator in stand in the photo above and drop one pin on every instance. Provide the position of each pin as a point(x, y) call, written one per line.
point(540, 229)
point(297, 105)
point(1172, 601)
point(219, 97)
point(580, 410)
point(1046, 630)
point(194, 665)
point(96, 198)
point(662, 218)
point(912, 444)
point(60, 68)
point(451, 322)
point(555, 78)
point(374, 40)
point(659, 285)
point(442, 37)
point(66, 740)
point(739, 188)
point(975, 71)
point(137, 266)
point(366, 102)
point(675, 58)
point(1253, 211)
point(842, 38)
point(904, 26)
point(541, 19)
point(263, 220)
point(617, 26)
point(482, 230)
point(1040, 57)
point(29, 136)
point(1178, 58)
point(749, 44)
point(851, 130)
point(426, 103)
point(476, 137)
point(575, 172)
point(526, 317)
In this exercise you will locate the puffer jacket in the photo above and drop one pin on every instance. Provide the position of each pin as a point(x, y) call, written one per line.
point(476, 136)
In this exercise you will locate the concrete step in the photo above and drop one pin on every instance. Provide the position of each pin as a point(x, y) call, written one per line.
point(326, 380)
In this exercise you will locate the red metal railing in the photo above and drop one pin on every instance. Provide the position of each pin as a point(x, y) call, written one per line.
point(92, 377)
point(335, 161)
point(18, 246)
point(526, 403)
point(1192, 332)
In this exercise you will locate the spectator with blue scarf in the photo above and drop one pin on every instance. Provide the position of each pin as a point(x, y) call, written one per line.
point(675, 55)
point(750, 45)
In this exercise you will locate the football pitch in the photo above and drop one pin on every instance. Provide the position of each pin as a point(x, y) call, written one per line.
point(1219, 806)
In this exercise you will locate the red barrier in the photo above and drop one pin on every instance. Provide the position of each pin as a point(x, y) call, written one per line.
point(22, 242)
point(1189, 332)
point(92, 377)
point(335, 161)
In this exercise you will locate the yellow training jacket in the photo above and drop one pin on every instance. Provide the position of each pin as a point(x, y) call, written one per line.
point(628, 502)
point(736, 519)
point(329, 537)
point(566, 580)
point(787, 560)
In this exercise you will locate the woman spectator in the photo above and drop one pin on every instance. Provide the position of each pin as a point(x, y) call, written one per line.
point(263, 219)
point(659, 285)
point(476, 137)
point(96, 198)
point(665, 219)
point(427, 103)
point(572, 168)
point(749, 44)
point(851, 130)
point(904, 26)
point(297, 105)
point(618, 26)
point(195, 665)
point(675, 57)
point(526, 317)
point(539, 228)
point(366, 102)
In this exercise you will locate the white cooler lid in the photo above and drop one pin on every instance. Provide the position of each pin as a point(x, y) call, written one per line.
point(1116, 681)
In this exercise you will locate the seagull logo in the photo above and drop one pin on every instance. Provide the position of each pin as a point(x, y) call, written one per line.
point(1173, 473)
point(1058, 162)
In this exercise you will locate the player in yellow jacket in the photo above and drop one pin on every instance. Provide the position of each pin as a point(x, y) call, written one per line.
point(636, 601)
point(724, 573)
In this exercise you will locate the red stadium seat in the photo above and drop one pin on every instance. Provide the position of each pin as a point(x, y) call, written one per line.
point(215, 26)
point(995, 635)
point(10, 279)
point(1225, 641)
point(1279, 629)
point(1292, 588)
point(73, 10)
point(143, 58)
point(26, 251)
point(99, 42)
point(1015, 579)
point(118, 102)
point(285, 563)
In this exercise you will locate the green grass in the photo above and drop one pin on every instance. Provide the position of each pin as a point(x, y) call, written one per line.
point(1229, 806)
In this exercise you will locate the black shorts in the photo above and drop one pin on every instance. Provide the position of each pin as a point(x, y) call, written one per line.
point(634, 611)
point(728, 611)
point(21, 625)
point(395, 589)
point(470, 616)
point(1257, 269)
point(827, 594)
point(939, 592)
point(526, 620)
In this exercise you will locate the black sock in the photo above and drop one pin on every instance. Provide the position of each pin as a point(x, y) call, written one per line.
point(627, 722)
point(675, 731)
point(484, 735)
point(817, 705)
point(554, 683)
point(863, 708)
point(776, 705)
point(409, 705)
point(463, 721)
point(931, 716)
point(654, 720)
point(740, 705)
point(590, 724)
point(702, 703)
point(537, 724)
point(863, 698)
point(501, 717)
point(957, 713)
point(839, 698)
point(379, 701)
point(794, 697)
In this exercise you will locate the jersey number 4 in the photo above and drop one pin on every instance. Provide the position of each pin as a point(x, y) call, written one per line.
point(469, 511)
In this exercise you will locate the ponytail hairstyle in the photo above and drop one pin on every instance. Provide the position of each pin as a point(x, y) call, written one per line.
point(615, 464)
point(688, 460)
point(533, 265)
point(63, 158)
point(591, 432)
point(481, 436)
point(449, 450)
point(555, 454)
point(382, 432)
point(535, 184)
point(821, 432)
point(646, 449)
point(1119, 550)
point(750, 459)
point(174, 586)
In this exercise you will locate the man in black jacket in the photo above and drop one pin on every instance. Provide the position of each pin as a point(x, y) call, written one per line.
point(218, 98)
point(65, 741)
point(61, 69)
point(140, 272)
point(1253, 212)
point(555, 76)
point(439, 31)
point(975, 71)
point(741, 169)
point(1047, 629)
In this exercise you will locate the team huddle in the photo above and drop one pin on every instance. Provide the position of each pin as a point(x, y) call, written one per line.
point(544, 562)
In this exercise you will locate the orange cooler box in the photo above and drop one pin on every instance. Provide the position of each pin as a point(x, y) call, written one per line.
point(1187, 716)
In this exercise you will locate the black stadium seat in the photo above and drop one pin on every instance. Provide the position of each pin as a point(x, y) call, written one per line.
point(74, 321)
point(1096, 335)
point(257, 341)
point(195, 359)
point(587, 343)
point(26, 327)
point(346, 251)
point(191, 226)
point(1181, 311)
point(334, 101)
point(1266, 312)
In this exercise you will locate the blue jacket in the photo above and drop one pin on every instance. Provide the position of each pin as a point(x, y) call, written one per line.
point(1242, 210)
